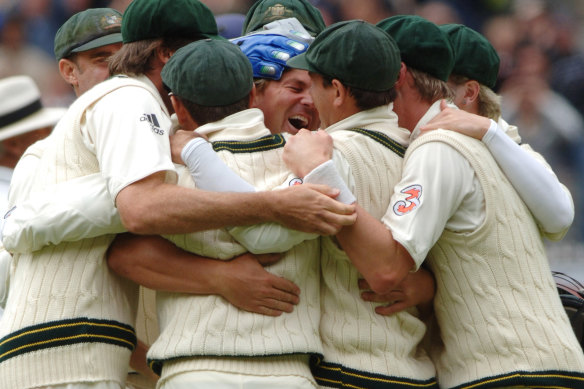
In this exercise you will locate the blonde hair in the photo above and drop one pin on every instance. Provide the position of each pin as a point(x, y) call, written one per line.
point(430, 88)
point(489, 103)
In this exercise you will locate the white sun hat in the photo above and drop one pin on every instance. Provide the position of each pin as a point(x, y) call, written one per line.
point(21, 109)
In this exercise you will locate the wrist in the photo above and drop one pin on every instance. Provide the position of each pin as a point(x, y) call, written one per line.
point(314, 164)
point(268, 210)
point(490, 129)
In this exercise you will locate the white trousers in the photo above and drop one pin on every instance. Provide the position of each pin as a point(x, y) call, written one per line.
point(221, 380)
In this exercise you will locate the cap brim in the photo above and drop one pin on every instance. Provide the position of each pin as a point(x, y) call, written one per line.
point(99, 42)
point(44, 118)
point(299, 62)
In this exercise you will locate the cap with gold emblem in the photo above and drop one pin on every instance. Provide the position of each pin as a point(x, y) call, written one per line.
point(89, 29)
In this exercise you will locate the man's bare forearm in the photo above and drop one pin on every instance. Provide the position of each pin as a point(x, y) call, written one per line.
point(158, 264)
point(153, 207)
point(382, 261)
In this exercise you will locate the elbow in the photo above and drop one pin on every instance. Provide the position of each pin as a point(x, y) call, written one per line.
point(562, 222)
point(136, 224)
point(117, 259)
point(390, 276)
point(384, 281)
point(136, 218)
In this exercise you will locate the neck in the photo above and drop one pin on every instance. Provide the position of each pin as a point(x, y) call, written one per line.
point(154, 76)
point(410, 110)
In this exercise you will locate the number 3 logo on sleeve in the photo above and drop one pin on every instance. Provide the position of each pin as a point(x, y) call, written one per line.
point(410, 203)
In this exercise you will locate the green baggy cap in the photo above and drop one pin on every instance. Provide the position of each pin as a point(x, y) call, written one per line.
point(474, 56)
point(86, 30)
point(209, 72)
point(356, 53)
point(423, 46)
point(263, 12)
point(152, 19)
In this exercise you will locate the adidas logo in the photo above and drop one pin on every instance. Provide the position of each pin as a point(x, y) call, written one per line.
point(154, 124)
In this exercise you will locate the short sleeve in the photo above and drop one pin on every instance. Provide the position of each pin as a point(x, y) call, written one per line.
point(128, 131)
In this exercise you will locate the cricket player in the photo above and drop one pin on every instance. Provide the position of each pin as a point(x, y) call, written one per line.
point(352, 94)
point(532, 178)
point(65, 294)
point(200, 343)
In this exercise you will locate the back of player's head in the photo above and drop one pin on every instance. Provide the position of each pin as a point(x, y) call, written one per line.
point(152, 19)
point(422, 45)
point(474, 56)
point(356, 53)
point(209, 73)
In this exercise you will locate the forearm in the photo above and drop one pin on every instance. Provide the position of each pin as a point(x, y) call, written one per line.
point(151, 207)
point(548, 200)
point(208, 170)
point(156, 263)
point(382, 261)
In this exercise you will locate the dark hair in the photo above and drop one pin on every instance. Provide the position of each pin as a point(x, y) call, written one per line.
point(203, 114)
point(365, 99)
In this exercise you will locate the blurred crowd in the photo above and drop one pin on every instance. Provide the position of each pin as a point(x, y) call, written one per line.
point(540, 44)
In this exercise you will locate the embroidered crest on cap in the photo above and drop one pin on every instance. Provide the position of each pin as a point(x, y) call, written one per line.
point(110, 21)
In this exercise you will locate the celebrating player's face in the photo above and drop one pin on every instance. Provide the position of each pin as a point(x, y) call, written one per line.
point(287, 104)
point(90, 67)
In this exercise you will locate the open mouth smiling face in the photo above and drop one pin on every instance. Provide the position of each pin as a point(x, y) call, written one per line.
point(308, 120)
point(287, 104)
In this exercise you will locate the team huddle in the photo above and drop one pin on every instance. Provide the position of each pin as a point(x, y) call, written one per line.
point(303, 206)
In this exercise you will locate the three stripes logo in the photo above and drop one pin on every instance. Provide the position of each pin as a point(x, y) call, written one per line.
point(153, 121)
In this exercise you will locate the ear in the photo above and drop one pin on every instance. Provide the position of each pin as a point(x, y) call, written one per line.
point(182, 114)
point(252, 96)
point(340, 93)
point(401, 78)
point(67, 68)
point(164, 53)
point(471, 91)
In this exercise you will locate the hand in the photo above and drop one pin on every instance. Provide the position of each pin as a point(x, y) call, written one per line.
point(417, 289)
point(268, 259)
point(178, 141)
point(306, 150)
point(248, 286)
point(312, 208)
point(460, 121)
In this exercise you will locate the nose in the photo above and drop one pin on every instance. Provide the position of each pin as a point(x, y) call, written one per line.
point(306, 100)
